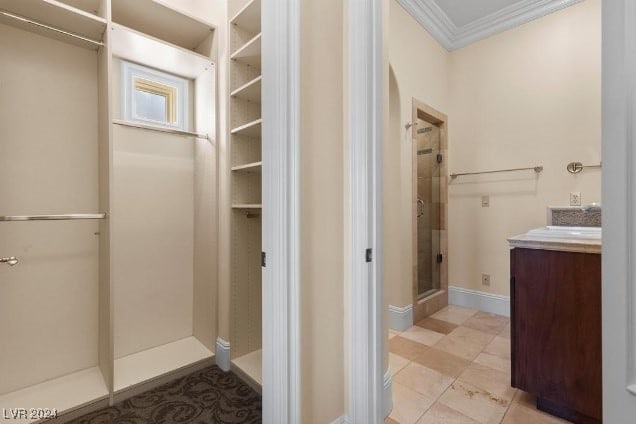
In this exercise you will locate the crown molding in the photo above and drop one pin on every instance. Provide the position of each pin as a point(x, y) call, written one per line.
point(428, 14)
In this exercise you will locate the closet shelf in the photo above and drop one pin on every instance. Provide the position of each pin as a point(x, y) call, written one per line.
point(57, 15)
point(251, 129)
point(247, 206)
point(250, 91)
point(90, 6)
point(146, 365)
point(250, 53)
point(64, 393)
point(249, 18)
point(156, 18)
point(249, 167)
point(251, 365)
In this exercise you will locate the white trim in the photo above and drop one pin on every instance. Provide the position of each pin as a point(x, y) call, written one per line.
point(222, 354)
point(387, 398)
point(365, 118)
point(428, 14)
point(400, 318)
point(619, 207)
point(281, 212)
point(487, 302)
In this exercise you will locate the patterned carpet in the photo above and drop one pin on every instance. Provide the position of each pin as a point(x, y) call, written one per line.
point(208, 396)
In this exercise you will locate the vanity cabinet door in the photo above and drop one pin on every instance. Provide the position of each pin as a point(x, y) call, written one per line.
point(556, 330)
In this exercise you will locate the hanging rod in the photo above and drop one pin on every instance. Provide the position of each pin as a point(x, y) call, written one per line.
point(536, 169)
point(576, 167)
point(50, 28)
point(61, 217)
point(159, 129)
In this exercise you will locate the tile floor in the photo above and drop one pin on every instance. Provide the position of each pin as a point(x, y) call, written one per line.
point(454, 368)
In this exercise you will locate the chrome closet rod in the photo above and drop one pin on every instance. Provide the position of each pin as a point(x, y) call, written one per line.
point(536, 169)
point(60, 217)
point(49, 27)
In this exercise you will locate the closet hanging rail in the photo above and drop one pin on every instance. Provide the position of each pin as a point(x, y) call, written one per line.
point(536, 169)
point(164, 130)
point(61, 217)
point(49, 27)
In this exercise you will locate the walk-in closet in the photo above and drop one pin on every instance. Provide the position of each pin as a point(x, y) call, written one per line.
point(108, 182)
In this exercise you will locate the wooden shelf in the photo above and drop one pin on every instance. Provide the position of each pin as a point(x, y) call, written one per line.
point(251, 129)
point(55, 14)
point(250, 53)
point(90, 6)
point(251, 366)
point(155, 18)
point(149, 364)
point(249, 18)
point(250, 91)
point(65, 393)
point(249, 167)
point(247, 206)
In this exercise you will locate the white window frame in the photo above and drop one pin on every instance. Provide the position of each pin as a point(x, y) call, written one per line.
point(130, 71)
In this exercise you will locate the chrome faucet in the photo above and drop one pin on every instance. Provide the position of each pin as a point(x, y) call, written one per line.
point(10, 261)
point(591, 206)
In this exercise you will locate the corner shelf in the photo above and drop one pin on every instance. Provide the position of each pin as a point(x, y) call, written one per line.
point(55, 14)
point(249, 17)
point(250, 53)
point(250, 91)
point(251, 129)
point(155, 18)
point(249, 167)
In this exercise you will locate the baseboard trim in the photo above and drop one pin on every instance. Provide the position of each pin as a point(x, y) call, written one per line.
point(223, 354)
point(487, 302)
point(387, 393)
point(387, 399)
point(400, 317)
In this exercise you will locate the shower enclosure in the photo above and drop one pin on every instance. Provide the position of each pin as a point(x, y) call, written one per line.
point(429, 211)
point(428, 208)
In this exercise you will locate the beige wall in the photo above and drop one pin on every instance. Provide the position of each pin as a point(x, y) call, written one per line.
point(420, 67)
point(528, 95)
point(322, 211)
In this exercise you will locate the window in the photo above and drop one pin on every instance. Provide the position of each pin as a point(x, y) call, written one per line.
point(154, 97)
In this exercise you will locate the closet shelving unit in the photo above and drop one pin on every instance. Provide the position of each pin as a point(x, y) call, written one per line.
point(112, 379)
point(154, 24)
point(87, 387)
point(246, 165)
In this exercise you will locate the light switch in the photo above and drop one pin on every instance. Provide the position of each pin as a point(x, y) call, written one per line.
point(485, 201)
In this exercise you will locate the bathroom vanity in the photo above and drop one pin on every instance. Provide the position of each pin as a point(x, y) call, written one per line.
point(555, 289)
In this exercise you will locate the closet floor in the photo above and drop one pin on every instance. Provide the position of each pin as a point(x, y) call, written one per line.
point(206, 396)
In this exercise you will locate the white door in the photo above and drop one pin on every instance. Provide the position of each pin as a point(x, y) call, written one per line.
point(619, 212)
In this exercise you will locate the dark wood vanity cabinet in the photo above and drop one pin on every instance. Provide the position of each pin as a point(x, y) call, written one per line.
point(556, 331)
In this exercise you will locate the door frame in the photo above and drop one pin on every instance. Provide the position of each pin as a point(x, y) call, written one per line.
point(366, 117)
point(280, 21)
point(436, 301)
point(619, 209)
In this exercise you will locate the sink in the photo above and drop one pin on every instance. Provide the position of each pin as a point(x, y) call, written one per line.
point(560, 232)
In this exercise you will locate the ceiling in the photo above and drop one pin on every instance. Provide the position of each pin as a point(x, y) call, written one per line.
point(457, 23)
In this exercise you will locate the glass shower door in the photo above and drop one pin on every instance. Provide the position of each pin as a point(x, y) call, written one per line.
point(428, 160)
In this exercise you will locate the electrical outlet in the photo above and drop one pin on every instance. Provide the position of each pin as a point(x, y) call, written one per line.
point(575, 198)
point(485, 279)
point(485, 201)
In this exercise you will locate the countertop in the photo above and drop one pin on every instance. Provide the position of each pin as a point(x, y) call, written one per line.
point(559, 240)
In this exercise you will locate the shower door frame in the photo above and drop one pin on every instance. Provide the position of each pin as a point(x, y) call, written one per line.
point(438, 300)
